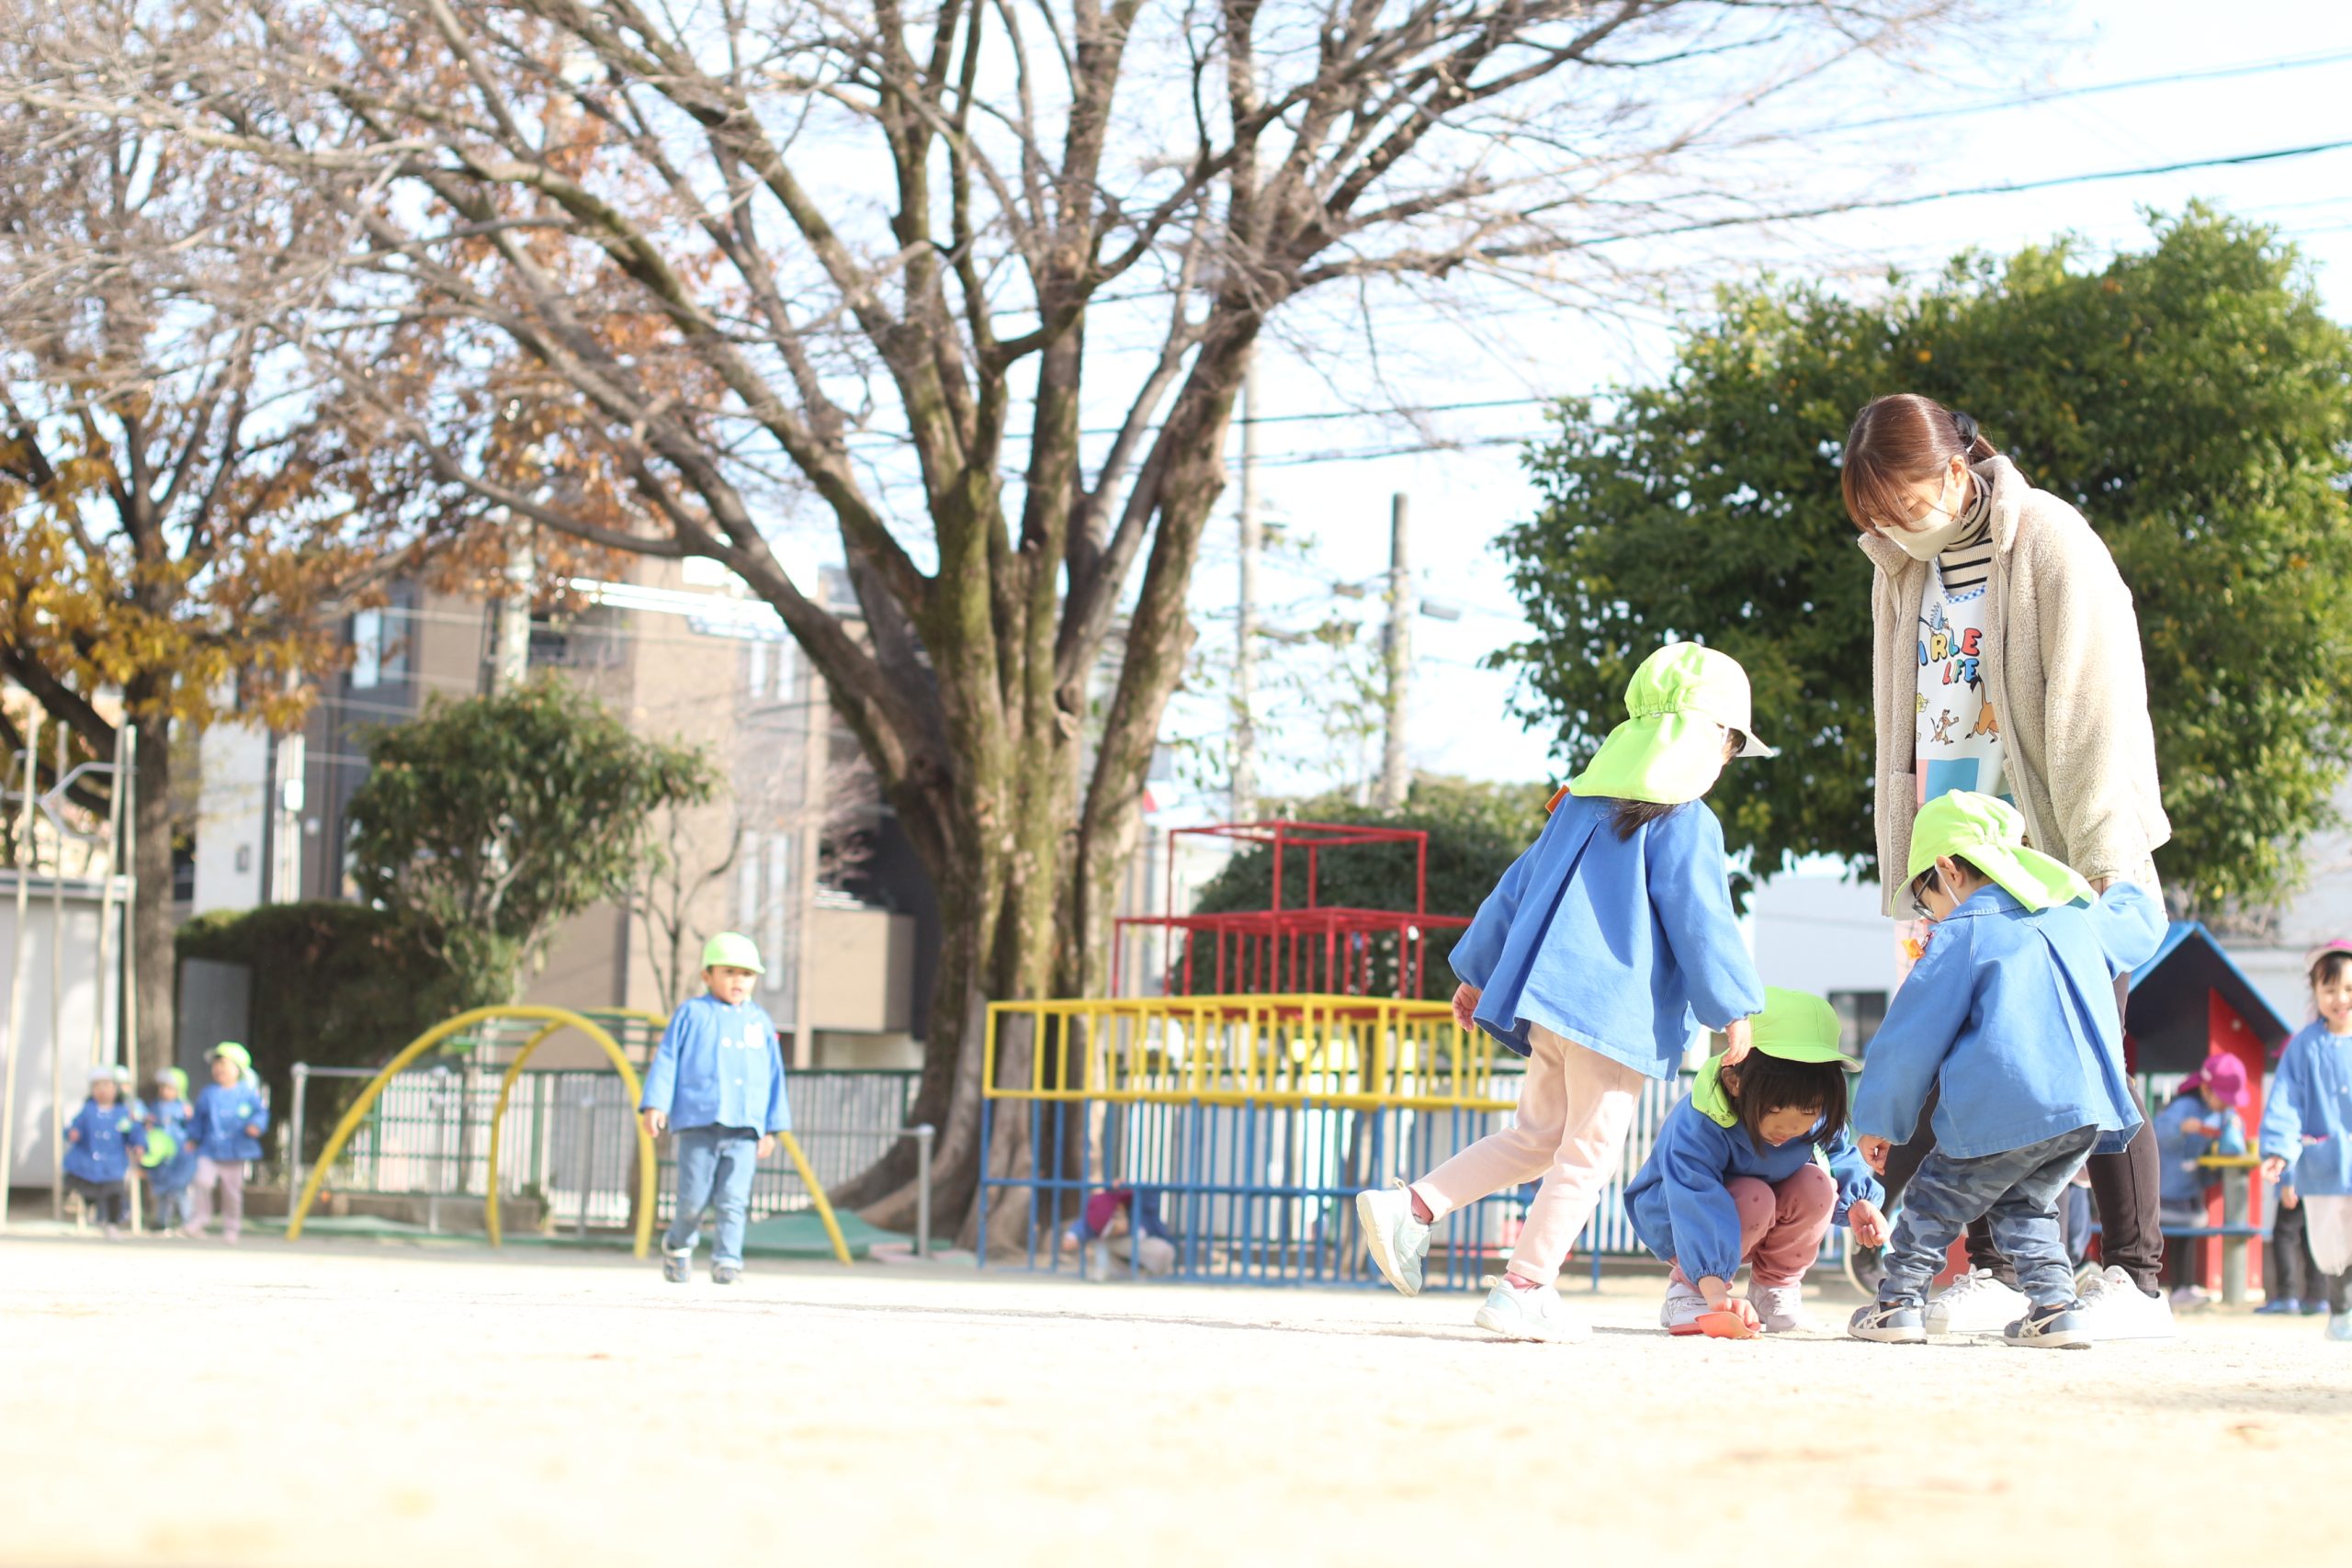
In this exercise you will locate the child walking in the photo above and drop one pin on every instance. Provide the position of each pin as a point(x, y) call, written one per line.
point(98, 1142)
point(717, 1083)
point(2306, 1139)
point(2202, 1119)
point(171, 1155)
point(1754, 1168)
point(2009, 1019)
point(227, 1122)
point(1590, 958)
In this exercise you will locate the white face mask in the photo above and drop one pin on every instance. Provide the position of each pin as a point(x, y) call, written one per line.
point(1927, 543)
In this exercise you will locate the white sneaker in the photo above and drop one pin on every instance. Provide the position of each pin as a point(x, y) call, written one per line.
point(1538, 1314)
point(1781, 1308)
point(1397, 1241)
point(2089, 1280)
point(2120, 1310)
point(1683, 1307)
point(1976, 1302)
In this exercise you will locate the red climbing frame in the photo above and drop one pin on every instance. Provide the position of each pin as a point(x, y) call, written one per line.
point(1333, 950)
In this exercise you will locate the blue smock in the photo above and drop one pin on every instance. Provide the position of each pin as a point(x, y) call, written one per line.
point(1618, 945)
point(718, 1067)
point(2307, 1114)
point(100, 1138)
point(221, 1117)
point(2012, 1012)
point(1681, 1209)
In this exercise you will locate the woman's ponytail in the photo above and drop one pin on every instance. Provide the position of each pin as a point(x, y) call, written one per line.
point(1971, 439)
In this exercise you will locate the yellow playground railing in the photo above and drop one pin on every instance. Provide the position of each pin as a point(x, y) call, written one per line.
point(1347, 1052)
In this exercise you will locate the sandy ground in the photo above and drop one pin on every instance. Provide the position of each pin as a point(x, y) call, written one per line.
point(351, 1403)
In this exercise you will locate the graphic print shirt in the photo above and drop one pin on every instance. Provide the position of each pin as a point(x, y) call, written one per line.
point(1959, 734)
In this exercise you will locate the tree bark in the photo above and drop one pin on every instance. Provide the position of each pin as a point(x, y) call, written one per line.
point(151, 926)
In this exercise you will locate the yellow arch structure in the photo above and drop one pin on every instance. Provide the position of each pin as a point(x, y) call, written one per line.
point(554, 1021)
point(554, 1018)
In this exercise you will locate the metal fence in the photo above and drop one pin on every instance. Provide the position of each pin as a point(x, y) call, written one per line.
point(565, 1139)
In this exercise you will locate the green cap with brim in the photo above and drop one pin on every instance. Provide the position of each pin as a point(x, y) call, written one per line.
point(732, 950)
point(1796, 1026)
point(1670, 748)
point(230, 1050)
point(1989, 834)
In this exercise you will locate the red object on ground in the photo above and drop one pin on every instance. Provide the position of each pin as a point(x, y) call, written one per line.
point(1728, 1324)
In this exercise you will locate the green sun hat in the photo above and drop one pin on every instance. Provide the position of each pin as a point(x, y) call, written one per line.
point(161, 1147)
point(732, 950)
point(1990, 835)
point(1796, 1026)
point(1670, 748)
point(231, 1051)
point(174, 1076)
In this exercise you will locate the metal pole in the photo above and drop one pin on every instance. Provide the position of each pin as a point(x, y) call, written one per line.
point(17, 967)
point(57, 1013)
point(1397, 654)
point(924, 1134)
point(294, 1138)
point(817, 738)
point(124, 800)
point(1245, 620)
point(587, 1156)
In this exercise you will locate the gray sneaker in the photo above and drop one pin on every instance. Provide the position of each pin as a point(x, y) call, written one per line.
point(1399, 1242)
point(1889, 1323)
point(2063, 1327)
point(1530, 1315)
point(1781, 1308)
point(677, 1266)
point(726, 1273)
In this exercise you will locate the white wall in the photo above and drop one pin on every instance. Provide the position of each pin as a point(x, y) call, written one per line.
point(232, 801)
point(1814, 933)
point(33, 1156)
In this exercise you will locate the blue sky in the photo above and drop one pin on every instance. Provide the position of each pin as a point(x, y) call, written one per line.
point(1462, 499)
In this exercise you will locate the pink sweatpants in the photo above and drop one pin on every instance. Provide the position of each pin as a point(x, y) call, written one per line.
point(230, 1175)
point(1780, 1227)
point(1574, 1108)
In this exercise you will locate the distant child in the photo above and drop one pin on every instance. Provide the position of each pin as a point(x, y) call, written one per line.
point(1121, 1223)
point(98, 1142)
point(2307, 1136)
point(171, 1153)
point(1590, 958)
point(227, 1123)
point(716, 1084)
point(2202, 1119)
point(1754, 1168)
point(2010, 1019)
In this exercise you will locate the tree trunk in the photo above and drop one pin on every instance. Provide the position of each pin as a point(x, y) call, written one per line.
point(151, 925)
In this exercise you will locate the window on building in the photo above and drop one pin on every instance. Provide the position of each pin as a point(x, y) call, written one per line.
point(367, 650)
point(1859, 1015)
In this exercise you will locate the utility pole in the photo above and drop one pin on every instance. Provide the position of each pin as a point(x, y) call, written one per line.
point(511, 662)
point(816, 749)
point(1397, 654)
point(1245, 619)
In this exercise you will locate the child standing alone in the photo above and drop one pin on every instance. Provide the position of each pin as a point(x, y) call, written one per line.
point(98, 1145)
point(2306, 1138)
point(717, 1083)
point(227, 1124)
point(2009, 1019)
point(1754, 1168)
point(1590, 958)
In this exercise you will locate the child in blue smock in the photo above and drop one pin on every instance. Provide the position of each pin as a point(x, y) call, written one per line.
point(2290, 1274)
point(1754, 1168)
point(2306, 1138)
point(2009, 1019)
point(170, 1157)
point(98, 1142)
point(716, 1084)
point(227, 1122)
point(2202, 1119)
point(1591, 958)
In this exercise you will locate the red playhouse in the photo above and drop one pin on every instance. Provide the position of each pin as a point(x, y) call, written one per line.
point(1312, 947)
point(2189, 1001)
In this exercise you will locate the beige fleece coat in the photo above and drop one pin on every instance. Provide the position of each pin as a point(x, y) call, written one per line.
point(2062, 674)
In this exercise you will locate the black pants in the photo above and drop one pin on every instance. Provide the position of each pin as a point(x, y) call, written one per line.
point(2124, 1185)
point(2290, 1273)
point(106, 1197)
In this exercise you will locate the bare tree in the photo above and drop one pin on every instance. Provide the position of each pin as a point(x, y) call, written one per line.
point(975, 279)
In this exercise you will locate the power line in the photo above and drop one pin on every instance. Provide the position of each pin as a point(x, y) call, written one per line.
point(2026, 100)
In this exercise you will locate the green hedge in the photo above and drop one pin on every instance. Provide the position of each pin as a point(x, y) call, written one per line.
point(334, 985)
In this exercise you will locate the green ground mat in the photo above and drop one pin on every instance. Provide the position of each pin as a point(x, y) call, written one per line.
point(798, 1234)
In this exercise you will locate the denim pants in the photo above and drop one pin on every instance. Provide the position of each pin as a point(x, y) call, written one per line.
point(2017, 1191)
point(714, 1163)
point(174, 1206)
